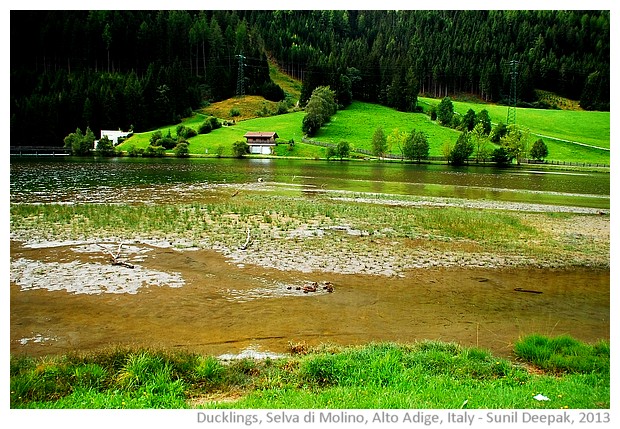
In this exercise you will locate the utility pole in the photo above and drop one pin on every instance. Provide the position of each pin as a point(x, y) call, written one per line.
point(240, 77)
point(512, 99)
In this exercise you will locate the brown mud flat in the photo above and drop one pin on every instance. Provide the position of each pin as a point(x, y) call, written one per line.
point(206, 302)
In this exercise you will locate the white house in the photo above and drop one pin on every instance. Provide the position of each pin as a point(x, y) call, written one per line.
point(114, 136)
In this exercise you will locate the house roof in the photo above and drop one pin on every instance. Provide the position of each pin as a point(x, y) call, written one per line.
point(261, 134)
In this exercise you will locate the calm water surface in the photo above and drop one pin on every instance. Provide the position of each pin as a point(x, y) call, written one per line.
point(119, 179)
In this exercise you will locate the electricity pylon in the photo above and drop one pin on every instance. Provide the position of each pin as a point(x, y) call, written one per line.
point(512, 99)
point(240, 77)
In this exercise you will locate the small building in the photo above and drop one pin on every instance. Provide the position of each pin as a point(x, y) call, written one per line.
point(261, 142)
point(114, 136)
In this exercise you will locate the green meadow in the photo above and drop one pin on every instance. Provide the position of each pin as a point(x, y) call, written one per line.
point(357, 123)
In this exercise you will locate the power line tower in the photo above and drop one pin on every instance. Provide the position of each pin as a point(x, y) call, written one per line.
point(512, 99)
point(240, 77)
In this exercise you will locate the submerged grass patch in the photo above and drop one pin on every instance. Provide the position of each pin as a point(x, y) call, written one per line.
point(380, 375)
point(286, 223)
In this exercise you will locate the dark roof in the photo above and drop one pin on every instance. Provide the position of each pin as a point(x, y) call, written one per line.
point(261, 134)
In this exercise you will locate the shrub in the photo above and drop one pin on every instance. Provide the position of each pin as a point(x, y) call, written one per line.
point(498, 131)
point(167, 143)
point(235, 112)
point(185, 132)
point(133, 151)
point(205, 127)
point(105, 147)
point(445, 111)
point(80, 144)
point(215, 124)
point(154, 137)
point(282, 108)
point(154, 151)
point(272, 92)
point(240, 148)
point(181, 150)
point(500, 156)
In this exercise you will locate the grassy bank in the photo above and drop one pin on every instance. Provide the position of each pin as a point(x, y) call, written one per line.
point(422, 375)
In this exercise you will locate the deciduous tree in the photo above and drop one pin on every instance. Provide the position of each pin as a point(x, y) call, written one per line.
point(416, 146)
point(379, 143)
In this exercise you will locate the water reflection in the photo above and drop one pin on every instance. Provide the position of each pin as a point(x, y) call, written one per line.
point(111, 180)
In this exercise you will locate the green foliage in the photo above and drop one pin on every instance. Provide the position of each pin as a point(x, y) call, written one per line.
point(501, 156)
point(235, 112)
point(185, 132)
point(484, 119)
point(343, 149)
point(240, 148)
point(515, 142)
point(480, 142)
point(105, 147)
point(564, 354)
point(539, 150)
point(311, 123)
point(445, 111)
point(379, 142)
point(208, 125)
point(595, 94)
point(271, 91)
point(205, 127)
point(192, 67)
point(154, 151)
point(80, 144)
point(498, 132)
point(469, 120)
point(181, 150)
point(158, 140)
point(282, 108)
point(462, 150)
point(210, 370)
point(416, 146)
point(319, 110)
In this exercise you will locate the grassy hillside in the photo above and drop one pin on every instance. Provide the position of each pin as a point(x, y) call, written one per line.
point(357, 123)
point(291, 87)
point(591, 128)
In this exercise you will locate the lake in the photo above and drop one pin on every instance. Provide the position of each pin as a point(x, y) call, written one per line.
point(220, 307)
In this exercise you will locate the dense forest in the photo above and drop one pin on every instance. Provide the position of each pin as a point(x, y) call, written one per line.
point(142, 69)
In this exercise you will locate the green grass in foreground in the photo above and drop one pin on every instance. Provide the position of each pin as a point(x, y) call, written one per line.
point(384, 375)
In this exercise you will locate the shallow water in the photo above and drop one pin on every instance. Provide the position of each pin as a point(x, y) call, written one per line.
point(223, 308)
point(67, 297)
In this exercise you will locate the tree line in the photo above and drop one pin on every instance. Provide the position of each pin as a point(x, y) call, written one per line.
point(143, 69)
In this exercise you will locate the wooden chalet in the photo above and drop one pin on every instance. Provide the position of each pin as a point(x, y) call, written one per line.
point(261, 142)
